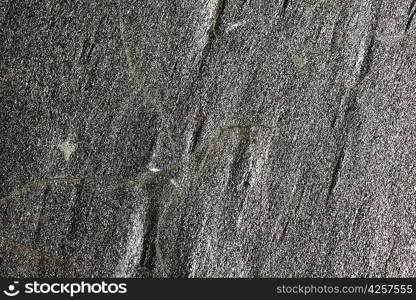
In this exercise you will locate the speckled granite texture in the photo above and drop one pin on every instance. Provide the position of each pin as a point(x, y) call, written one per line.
point(207, 138)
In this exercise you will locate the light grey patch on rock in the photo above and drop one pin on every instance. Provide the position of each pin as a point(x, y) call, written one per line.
point(67, 148)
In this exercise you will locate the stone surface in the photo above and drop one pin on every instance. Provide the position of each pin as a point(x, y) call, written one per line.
point(207, 138)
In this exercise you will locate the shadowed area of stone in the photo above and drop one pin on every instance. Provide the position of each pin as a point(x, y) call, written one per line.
point(207, 138)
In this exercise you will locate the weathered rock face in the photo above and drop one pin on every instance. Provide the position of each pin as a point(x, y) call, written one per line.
point(205, 138)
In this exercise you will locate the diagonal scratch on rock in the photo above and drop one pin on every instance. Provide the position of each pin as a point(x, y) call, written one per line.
point(208, 31)
point(366, 59)
point(284, 231)
point(411, 12)
point(133, 72)
point(112, 183)
point(139, 80)
point(40, 184)
point(335, 174)
point(216, 10)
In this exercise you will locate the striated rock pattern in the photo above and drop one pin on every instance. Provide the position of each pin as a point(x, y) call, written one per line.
point(207, 138)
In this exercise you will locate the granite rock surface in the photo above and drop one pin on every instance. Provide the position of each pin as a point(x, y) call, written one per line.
point(207, 138)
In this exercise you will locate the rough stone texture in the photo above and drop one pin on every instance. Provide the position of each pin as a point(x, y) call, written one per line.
point(208, 138)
